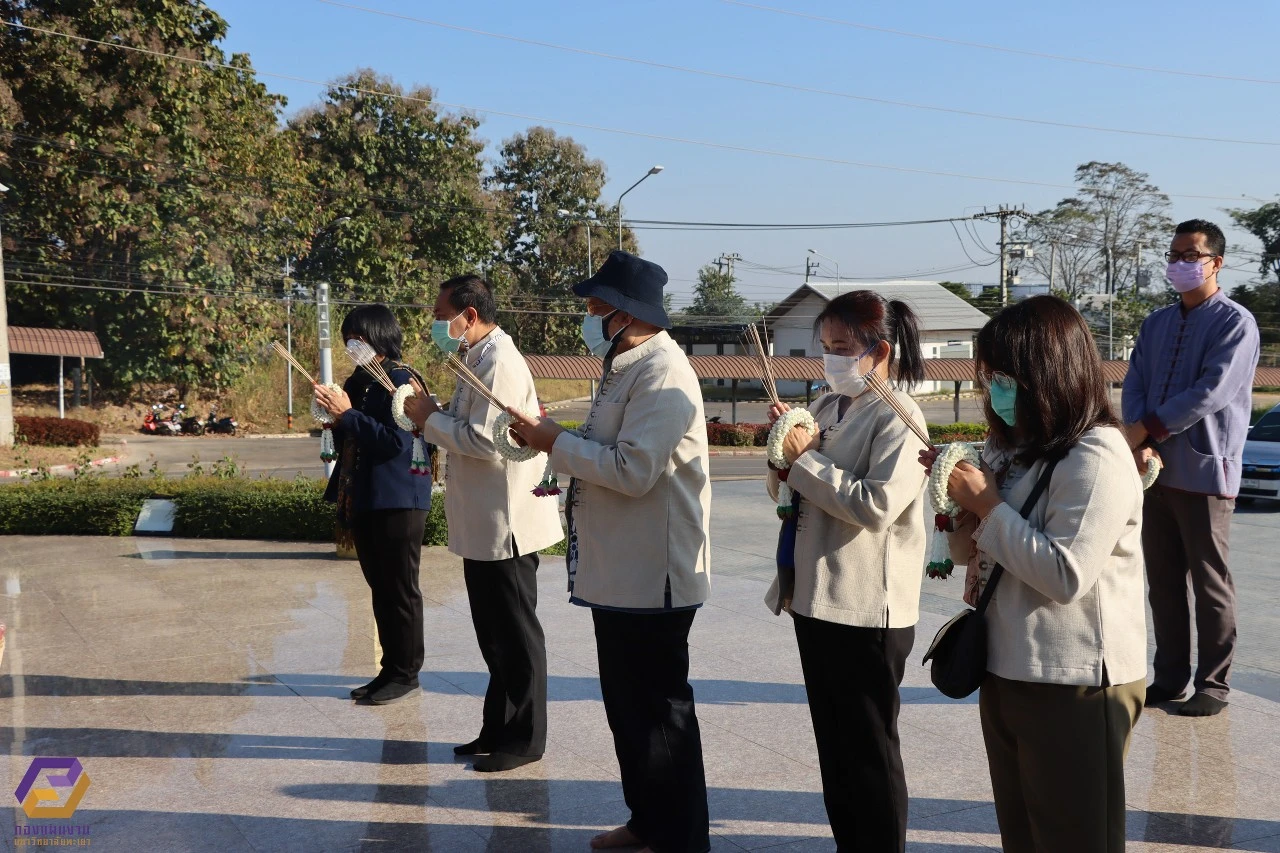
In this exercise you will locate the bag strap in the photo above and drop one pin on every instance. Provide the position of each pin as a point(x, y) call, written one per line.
point(998, 571)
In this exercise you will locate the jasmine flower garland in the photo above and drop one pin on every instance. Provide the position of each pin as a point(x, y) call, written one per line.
point(328, 453)
point(940, 564)
point(418, 463)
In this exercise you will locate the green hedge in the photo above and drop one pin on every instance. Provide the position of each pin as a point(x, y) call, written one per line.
point(72, 508)
point(57, 432)
point(947, 433)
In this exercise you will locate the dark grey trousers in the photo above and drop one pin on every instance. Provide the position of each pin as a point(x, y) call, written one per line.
point(1184, 537)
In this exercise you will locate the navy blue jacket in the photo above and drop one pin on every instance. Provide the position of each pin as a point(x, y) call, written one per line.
point(382, 479)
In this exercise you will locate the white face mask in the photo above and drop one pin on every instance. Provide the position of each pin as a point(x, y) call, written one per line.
point(842, 373)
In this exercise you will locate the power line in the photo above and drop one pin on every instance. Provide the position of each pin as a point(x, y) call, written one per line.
point(1001, 49)
point(791, 86)
point(719, 146)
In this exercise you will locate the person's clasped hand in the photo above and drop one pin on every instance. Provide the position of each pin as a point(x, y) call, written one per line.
point(420, 406)
point(974, 489)
point(538, 433)
point(336, 403)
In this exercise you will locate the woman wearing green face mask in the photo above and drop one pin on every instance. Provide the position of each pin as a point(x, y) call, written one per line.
point(1066, 642)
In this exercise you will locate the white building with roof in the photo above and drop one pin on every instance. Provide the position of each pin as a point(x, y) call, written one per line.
point(948, 324)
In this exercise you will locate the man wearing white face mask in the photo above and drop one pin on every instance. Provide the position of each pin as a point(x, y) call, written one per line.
point(496, 524)
point(1187, 399)
point(639, 508)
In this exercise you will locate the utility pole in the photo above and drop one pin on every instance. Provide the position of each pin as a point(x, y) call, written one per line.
point(726, 260)
point(1004, 214)
point(1137, 269)
point(1111, 304)
point(810, 267)
point(1053, 264)
point(288, 340)
point(326, 354)
point(6, 378)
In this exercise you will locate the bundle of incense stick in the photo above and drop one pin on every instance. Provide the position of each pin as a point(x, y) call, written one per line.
point(766, 368)
point(365, 356)
point(459, 367)
point(287, 356)
point(886, 393)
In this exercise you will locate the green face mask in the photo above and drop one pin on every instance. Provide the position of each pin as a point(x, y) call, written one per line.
point(1004, 398)
point(441, 338)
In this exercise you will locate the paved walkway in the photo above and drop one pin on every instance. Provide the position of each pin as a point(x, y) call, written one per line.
point(201, 685)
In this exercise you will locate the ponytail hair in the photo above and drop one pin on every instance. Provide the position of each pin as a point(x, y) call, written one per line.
point(869, 319)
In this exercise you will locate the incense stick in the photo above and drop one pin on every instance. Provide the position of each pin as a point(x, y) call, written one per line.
point(287, 356)
point(463, 372)
point(365, 356)
point(885, 393)
point(766, 369)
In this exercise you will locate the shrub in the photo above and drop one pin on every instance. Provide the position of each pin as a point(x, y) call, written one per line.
point(947, 433)
point(72, 507)
point(218, 508)
point(57, 432)
point(729, 435)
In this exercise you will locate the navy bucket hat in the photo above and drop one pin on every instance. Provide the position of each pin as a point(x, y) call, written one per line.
point(631, 284)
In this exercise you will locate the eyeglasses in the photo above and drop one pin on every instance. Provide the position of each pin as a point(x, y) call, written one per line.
point(1190, 257)
point(986, 377)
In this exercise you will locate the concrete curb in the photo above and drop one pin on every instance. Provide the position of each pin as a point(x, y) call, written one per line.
point(63, 469)
point(756, 452)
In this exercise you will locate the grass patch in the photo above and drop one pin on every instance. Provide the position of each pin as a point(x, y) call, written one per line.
point(556, 390)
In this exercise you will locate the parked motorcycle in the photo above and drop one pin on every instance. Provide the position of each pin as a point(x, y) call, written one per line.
point(224, 426)
point(171, 425)
point(151, 420)
point(190, 425)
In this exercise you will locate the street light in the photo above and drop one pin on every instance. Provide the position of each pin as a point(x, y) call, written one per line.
point(833, 260)
point(586, 218)
point(653, 171)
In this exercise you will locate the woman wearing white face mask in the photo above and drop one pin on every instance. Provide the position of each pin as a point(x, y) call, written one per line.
point(859, 555)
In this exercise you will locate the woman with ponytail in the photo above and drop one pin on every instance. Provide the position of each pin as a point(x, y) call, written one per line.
point(859, 556)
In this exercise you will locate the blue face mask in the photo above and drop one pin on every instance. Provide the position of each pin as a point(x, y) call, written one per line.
point(593, 334)
point(1004, 398)
point(441, 338)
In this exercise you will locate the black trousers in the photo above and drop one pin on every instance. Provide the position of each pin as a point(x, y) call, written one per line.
point(644, 677)
point(851, 676)
point(1185, 538)
point(389, 547)
point(504, 601)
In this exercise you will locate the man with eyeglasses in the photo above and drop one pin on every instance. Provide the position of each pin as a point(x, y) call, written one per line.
point(1187, 400)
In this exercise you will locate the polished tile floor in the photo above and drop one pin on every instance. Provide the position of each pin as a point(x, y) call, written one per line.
point(202, 684)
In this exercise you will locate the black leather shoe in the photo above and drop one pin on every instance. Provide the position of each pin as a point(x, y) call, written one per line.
point(361, 692)
point(477, 747)
point(391, 691)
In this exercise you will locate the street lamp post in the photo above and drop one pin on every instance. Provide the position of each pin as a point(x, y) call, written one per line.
point(653, 171)
point(834, 261)
point(6, 380)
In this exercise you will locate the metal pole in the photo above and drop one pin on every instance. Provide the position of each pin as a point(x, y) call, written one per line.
point(957, 402)
point(655, 170)
point(733, 410)
point(288, 337)
point(1111, 308)
point(1053, 264)
point(589, 261)
point(1004, 279)
point(6, 379)
point(326, 354)
point(62, 403)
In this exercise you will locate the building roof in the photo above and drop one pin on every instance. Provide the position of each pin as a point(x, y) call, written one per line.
point(939, 309)
point(25, 340)
point(792, 368)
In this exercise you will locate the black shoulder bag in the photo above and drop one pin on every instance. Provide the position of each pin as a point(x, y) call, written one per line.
point(959, 651)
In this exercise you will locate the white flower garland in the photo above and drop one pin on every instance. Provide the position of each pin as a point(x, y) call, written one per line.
point(328, 452)
point(1154, 466)
point(948, 457)
point(502, 441)
point(418, 461)
point(781, 427)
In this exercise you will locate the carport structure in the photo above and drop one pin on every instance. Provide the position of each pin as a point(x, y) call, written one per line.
point(739, 368)
point(61, 343)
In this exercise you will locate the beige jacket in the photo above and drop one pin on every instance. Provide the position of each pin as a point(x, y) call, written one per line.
point(642, 494)
point(489, 500)
point(1070, 608)
point(860, 537)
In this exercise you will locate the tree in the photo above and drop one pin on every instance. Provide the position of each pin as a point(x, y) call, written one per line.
point(987, 301)
point(138, 172)
point(1263, 296)
point(543, 253)
point(1099, 232)
point(715, 295)
point(405, 207)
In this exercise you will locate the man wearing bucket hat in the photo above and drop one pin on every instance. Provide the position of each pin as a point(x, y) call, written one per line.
point(639, 550)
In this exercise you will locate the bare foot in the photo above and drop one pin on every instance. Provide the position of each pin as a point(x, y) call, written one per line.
point(620, 837)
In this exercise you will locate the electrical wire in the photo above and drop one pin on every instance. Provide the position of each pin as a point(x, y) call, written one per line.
point(1001, 49)
point(793, 87)
point(719, 146)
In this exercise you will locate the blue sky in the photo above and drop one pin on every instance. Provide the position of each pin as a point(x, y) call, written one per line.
point(317, 41)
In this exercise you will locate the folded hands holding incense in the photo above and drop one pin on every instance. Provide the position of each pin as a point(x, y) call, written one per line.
point(799, 440)
point(333, 402)
point(538, 433)
point(420, 406)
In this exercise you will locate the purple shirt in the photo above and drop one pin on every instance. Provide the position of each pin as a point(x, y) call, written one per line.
point(1190, 382)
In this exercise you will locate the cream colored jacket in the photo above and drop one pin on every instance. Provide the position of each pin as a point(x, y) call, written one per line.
point(642, 492)
point(1070, 606)
point(860, 537)
point(489, 500)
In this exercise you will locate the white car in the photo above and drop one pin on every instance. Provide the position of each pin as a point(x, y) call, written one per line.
point(1261, 474)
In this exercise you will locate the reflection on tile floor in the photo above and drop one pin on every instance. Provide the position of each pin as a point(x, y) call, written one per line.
point(202, 686)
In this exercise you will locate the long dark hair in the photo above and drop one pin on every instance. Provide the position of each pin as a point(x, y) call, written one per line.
point(379, 328)
point(1046, 346)
point(870, 318)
